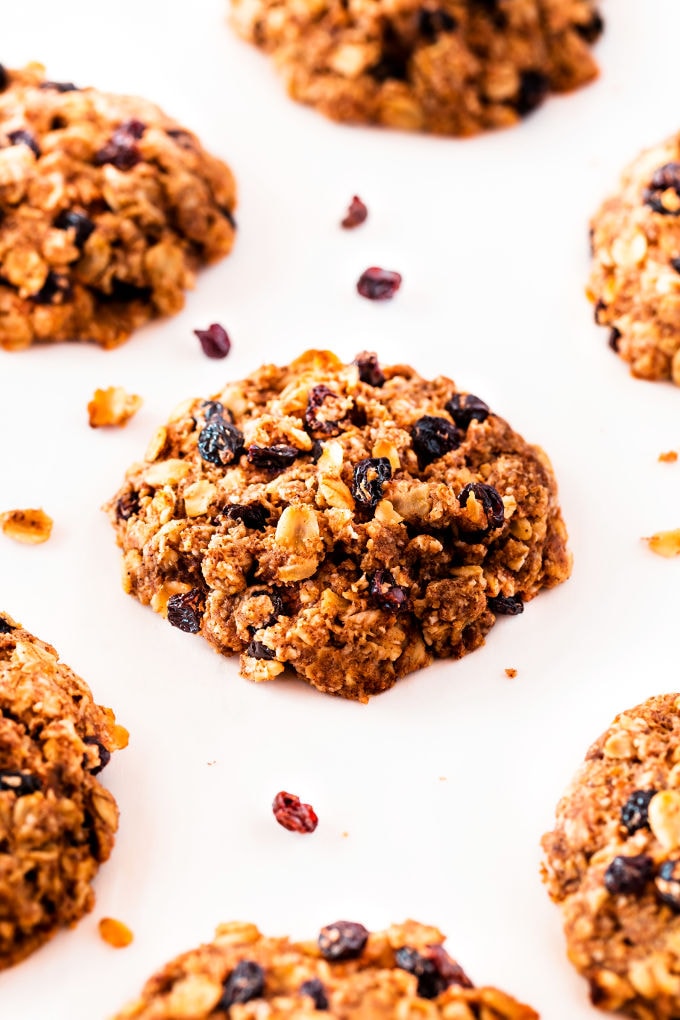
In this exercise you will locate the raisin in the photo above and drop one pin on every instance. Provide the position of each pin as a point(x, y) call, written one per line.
point(369, 477)
point(378, 284)
point(5, 627)
point(676, 264)
point(634, 811)
point(506, 605)
point(591, 30)
point(214, 340)
point(664, 178)
point(432, 438)
point(434, 969)
point(121, 150)
point(316, 450)
point(386, 593)
point(292, 814)
point(448, 968)
point(229, 217)
point(214, 409)
point(431, 23)
point(4, 78)
point(82, 225)
point(127, 506)
point(252, 515)
point(370, 371)
point(614, 340)
point(276, 601)
point(490, 499)
point(533, 88)
point(104, 755)
point(22, 137)
point(185, 611)
point(314, 421)
point(466, 408)
point(55, 290)
point(20, 783)
point(272, 458)
point(628, 874)
point(123, 290)
point(245, 982)
point(316, 991)
point(258, 650)
point(355, 215)
point(59, 86)
point(219, 442)
point(342, 940)
point(667, 883)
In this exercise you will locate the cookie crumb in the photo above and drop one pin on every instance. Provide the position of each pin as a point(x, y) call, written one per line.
point(292, 814)
point(669, 457)
point(28, 526)
point(112, 406)
point(510, 672)
point(665, 543)
point(356, 214)
point(115, 933)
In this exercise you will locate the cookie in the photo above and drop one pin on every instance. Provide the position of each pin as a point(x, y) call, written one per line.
point(349, 521)
point(347, 972)
point(57, 822)
point(613, 863)
point(107, 208)
point(452, 67)
point(635, 275)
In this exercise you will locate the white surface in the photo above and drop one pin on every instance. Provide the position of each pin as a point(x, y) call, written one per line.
point(432, 798)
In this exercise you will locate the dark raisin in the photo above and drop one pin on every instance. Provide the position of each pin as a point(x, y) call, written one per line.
point(55, 290)
point(434, 969)
point(245, 982)
point(378, 284)
point(314, 420)
point(292, 814)
point(431, 23)
point(59, 86)
point(5, 627)
point(664, 178)
point(533, 88)
point(20, 783)
point(104, 755)
point(272, 458)
point(614, 340)
point(370, 371)
point(214, 341)
point(634, 811)
point(506, 605)
point(316, 450)
point(676, 264)
point(127, 506)
point(448, 968)
point(591, 30)
point(252, 515)
point(258, 650)
point(490, 499)
point(4, 78)
point(432, 438)
point(183, 138)
point(185, 611)
point(277, 605)
point(465, 408)
point(81, 225)
point(628, 874)
point(220, 442)
point(386, 593)
point(667, 883)
point(355, 215)
point(214, 409)
point(229, 217)
point(316, 992)
point(598, 308)
point(370, 476)
point(394, 59)
point(22, 137)
point(121, 150)
point(123, 290)
point(343, 940)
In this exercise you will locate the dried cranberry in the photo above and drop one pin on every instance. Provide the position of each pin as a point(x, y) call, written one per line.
point(506, 605)
point(343, 940)
point(385, 591)
point(634, 811)
point(258, 650)
point(252, 515)
point(434, 969)
point(185, 611)
point(245, 982)
point(614, 340)
point(314, 421)
point(272, 458)
point(664, 178)
point(378, 284)
point(55, 290)
point(81, 225)
point(355, 215)
point(316, 991)
point(431, 23)
point(667, 883)
point(628, 874)
point(22, 137)
point(466, 408)
point(214, 341)
point(220, 442)
point(490, 499)
point(292, 814)
point(5, 627)
point(4, 78)
point(432, 438)
point(104, 755)
point(591, 30)
point(370, 371)
point(59, 86)
point(121, 150)
point(533, 88)
point(19, 783)
point(127, 506)
point(676, 264)
point(369, 477)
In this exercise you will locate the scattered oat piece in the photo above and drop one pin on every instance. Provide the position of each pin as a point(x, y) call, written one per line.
point(378, 284)
point(356, 214)
point(115, 932)
point(214, 340)
point(29, 526)
point(292, 814)
point(665, 543)
point(668, 458)
point(512, 673)
point(113, 406)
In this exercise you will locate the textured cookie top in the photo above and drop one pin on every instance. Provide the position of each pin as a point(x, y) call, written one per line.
point(346, 520)
point(613, 861)
point(56, 820)
point(450, 67)
point(347, 972)
point(107, 206)
point(635, 277)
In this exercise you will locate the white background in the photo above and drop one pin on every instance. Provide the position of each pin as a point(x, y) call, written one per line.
point(432, 799)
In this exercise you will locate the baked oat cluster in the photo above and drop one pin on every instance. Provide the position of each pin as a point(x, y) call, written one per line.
point(452, 67)
point(635, 276)
point(347, 972)
point(107, 208)
point(613, 863)
point(57, 822)
point(349, 521)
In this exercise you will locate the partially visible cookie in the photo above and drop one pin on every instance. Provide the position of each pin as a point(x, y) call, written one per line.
point(635, 276)
point(613, 863)
point(57, 822)
point(350, 521)
point(453, 67)
point(348, 972)
point(107, 208)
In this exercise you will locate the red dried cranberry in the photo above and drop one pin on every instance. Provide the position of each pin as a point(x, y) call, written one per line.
point(258, 650)
point(185, 611)
point(315, 422)
point(245, 982)
point(272, 458)
point(466, 408)
point(316, 991)
point(214, 341)
point(81, 225)
point(533, 88)
point(634, 811)
point(370, 476)
point(19, 783)
point(434, 969)
point(386, 593)
point(127, 506)
point(506, 605)
point(342, 940)
point(370, 371)
point(252, 515)
point(667, 883)
point(55, 290)
point(432, 438)
point(356, 214)
point(628, 874)
point(378, 284)
point(292, 814)
point(220, 442)
point(490, 499)
point(104, 755)
point(121, 150)
point(22, 137)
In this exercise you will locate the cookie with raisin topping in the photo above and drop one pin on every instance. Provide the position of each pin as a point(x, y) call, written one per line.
point(349, 526)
